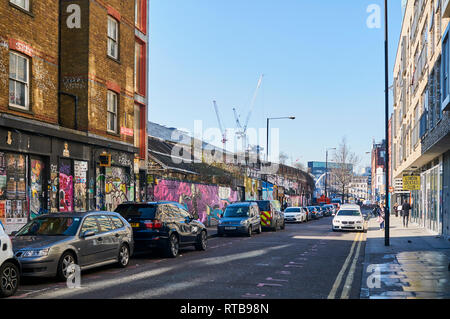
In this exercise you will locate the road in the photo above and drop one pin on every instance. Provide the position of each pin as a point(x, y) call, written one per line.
point(303, 261)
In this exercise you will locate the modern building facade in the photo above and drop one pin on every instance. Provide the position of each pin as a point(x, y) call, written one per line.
point(72, 107)
point(378, 178)
point(421, 120)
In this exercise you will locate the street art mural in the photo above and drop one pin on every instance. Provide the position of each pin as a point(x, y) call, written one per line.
point(206, 202)
point(117, 187)
point(80, 174)
point(267, 191)
point(36, 188)
point(65, 186)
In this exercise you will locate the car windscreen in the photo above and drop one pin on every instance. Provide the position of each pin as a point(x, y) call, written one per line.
point(349, 213)
point(311, 208)
point(293, 210)
point(51, 226)
point(137, 211)
point(236, 211)
point(264, 206)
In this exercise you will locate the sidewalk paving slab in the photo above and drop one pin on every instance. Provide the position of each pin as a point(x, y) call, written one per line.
point(415, 265)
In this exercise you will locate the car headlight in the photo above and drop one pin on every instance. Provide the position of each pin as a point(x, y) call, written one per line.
point(35, 253)
point(336, 221)
point(359, 221)
point(243, 222)
point(220, 221)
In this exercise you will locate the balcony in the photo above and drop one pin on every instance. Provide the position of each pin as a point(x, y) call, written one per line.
point(446, 8)
point(423, 124)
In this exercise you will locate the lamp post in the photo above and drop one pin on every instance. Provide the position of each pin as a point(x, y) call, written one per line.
point(274, 118)
point(326, 170)
point(386, 96)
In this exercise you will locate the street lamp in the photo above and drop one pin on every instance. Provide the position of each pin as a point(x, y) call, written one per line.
point(326, 170)
point(386, 97)
point(274, 118)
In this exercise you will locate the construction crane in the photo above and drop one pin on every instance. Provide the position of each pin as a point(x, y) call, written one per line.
point(222, 130)
point(242, 130)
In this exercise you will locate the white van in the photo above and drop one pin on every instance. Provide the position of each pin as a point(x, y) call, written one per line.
point(9, 266)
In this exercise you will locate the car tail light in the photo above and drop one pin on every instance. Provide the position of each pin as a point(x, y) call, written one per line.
point(152, 224)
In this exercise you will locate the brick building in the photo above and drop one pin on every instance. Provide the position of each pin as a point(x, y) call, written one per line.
point(73, 105)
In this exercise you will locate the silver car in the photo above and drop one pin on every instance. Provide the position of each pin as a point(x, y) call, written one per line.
point(50, 244)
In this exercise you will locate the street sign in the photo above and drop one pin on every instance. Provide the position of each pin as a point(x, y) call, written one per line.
point(411, 183)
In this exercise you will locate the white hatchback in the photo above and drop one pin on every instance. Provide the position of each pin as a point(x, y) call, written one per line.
point(9, 266)
point(349, 217)
point(295, 214)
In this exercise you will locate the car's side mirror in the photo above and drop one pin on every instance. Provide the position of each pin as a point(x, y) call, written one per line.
point(221, 215)
point(88, 233)
point(14, 233)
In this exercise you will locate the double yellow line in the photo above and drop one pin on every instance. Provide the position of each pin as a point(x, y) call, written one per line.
point(350, 276)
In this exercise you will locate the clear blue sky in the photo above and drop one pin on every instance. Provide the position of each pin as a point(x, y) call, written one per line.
point(321, 63)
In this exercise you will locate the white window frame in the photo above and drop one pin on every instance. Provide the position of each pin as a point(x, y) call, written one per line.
point(25, 6)
point(112, 110)
point(113, 38)
point(26, 83)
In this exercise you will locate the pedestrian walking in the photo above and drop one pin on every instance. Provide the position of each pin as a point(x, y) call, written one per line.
point(396, 209)
point(399, 209)
point(406, 207)
point(381, 218)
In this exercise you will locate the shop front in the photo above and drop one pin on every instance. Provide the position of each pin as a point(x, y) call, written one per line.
point(427, 205)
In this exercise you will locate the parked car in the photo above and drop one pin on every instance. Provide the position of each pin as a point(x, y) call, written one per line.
point(9, 266)
point(165, 226)
point(319, 212)
point(240, 218)
point(312, 212)
point(50, 244)
point(349, 217)
point(295, 214)
point(308, 213)
point(271, 215)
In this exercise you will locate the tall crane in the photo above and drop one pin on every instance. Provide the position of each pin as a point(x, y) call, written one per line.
point(242, 130)
point(222, 130)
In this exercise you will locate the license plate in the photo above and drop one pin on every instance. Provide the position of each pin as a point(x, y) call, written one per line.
point(134, 225)
point(230, 228)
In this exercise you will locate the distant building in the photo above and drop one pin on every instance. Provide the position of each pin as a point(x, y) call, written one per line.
point(378, 171)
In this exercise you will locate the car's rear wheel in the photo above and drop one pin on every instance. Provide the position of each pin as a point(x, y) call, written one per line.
point(172, 247)
point(124, 256)
point(201, 241)
point(9, 279)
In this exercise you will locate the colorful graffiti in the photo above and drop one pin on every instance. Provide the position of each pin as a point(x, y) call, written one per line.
point(205, 202)
point(65, 187)
point(36, 188)
point(117, 187)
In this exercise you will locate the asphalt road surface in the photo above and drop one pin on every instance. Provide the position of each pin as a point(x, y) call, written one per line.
point(303, 261)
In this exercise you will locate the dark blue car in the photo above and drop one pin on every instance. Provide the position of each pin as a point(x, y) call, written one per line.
point(240, 218)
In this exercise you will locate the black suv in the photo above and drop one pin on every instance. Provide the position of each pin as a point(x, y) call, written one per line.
point(163, 225)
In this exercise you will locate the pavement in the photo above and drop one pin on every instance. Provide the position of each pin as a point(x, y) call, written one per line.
point(414, 266)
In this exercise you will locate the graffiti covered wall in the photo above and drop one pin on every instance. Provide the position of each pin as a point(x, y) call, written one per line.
point(207, 201)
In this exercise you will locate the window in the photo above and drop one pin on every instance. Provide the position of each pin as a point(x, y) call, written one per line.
point(140, 17)
point(105, 224)
point(117, 222)
point(112, 112)
point(19, 81)
point(90, 224)
point(24, 4)
point(139, 67)
point(113, 38)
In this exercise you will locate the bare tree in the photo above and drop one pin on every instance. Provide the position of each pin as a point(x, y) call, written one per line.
point(283, 158)
point(344, 160)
